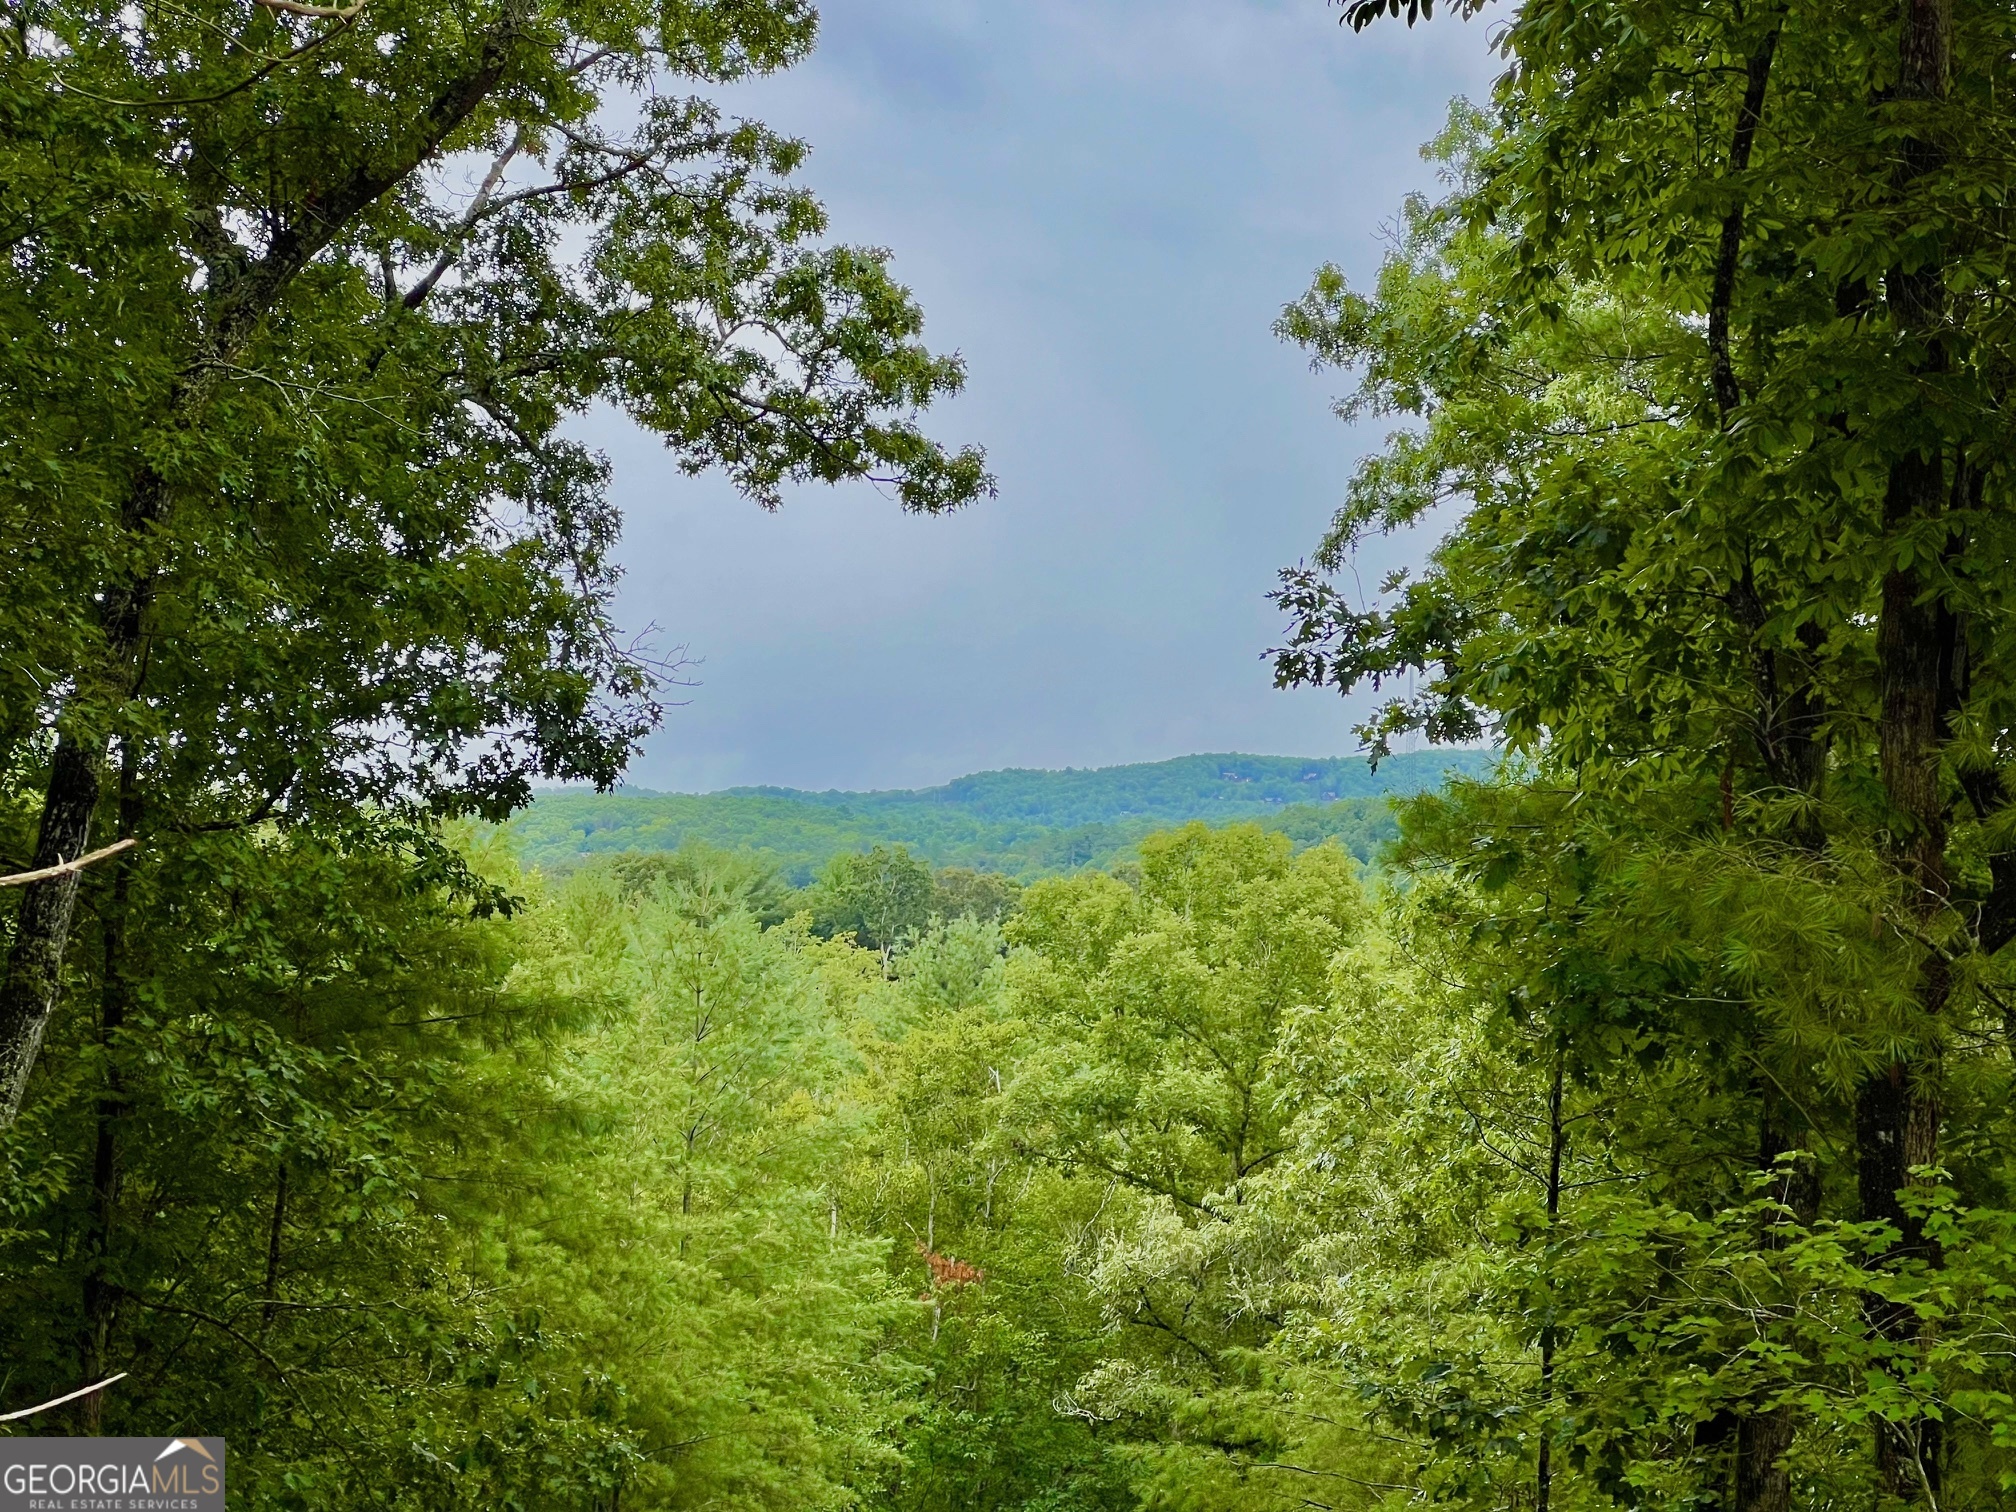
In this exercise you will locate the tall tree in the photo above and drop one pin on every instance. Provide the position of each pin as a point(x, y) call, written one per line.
point(1720, 380)
point(299, 301)
point(881, 896)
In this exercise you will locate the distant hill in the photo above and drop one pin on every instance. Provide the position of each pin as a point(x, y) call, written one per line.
point(1021, 822)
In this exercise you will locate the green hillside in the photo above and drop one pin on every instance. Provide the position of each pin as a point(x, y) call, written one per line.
point(1018, 821)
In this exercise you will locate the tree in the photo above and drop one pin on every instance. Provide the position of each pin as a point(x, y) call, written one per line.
point(1165, 1007)
point(1155, 1074)
point(296, 1239)
point(423, 1210)
point(1710, 343)
point(1002, 1327)
point(294, 530)
point(961, 892)
point(711, 879)
point(954, 964)
point(880, 897)
point(684, 1233)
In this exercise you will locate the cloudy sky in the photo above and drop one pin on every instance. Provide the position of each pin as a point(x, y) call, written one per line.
point(1102, 204)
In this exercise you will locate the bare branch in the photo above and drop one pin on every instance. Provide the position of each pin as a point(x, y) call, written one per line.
point(8, 1417)
point(63, 869)
point(325, 12)
point(418, 294)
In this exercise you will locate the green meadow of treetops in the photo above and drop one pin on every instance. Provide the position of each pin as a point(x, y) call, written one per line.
point(1640, 1135)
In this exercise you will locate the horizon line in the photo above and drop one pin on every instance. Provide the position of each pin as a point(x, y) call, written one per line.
point(626, 789)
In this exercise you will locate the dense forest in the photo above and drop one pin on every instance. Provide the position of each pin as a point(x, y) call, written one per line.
point(1022, 823)
point(1639, 1133)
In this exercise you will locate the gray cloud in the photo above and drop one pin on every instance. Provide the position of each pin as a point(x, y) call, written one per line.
point(1103, 205)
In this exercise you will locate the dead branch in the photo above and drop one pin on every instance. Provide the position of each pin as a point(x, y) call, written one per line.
point(324, 12)
point(8, 1417)
point(63, 869)
point(474, 214)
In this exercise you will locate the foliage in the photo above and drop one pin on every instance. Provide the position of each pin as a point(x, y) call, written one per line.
point(1703, 359)
point(1643, 1141)
point(431, 1213)
point(960, 892)
point(293, 526)
point(303, 566)
point(1211, 1184)
point(318, 1092)
point(880, 898)
point(1000, 1332)
point(687, 1241)
point(1160, 1015)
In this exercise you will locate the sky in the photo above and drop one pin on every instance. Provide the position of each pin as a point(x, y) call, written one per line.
point(1102, 205)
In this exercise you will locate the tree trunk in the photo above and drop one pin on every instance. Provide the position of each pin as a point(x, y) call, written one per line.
point(1762, 1438)
point(34, 975)
point(42, 928)
point(1543, 1476)
point(1897, 1109)
point(101, 1289)
point(271, 1306)
point(1728, 252)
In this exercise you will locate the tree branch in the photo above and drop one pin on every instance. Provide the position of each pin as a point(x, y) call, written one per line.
point(325, 12)
point(63, 869)
point(1722, 370)
point(8, 1417)
point(419, 292)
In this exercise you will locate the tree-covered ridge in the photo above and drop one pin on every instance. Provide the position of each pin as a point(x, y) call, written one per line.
point(1021, 822)
point(1207, 786)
